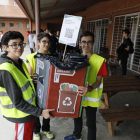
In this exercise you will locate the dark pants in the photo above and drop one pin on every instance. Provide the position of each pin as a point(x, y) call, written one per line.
point(124, 66)
point(45, 125)
point(91, 124)
point(31, 50)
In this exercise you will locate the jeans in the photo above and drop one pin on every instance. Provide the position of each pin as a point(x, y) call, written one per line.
point(91, 123)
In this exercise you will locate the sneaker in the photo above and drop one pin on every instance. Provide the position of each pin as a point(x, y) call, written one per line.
point(48, 134)
point(71, 137)
point(37, 136)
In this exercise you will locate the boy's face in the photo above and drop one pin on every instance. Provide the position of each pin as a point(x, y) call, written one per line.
point(86, 43)
point(124, 34)
point(14, 49)
point(57, 33)
point(44, 44)
point(47, 31)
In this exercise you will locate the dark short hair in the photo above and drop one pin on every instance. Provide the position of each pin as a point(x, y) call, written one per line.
point(51, 31)
point(41, 30)
point(42, 35)
point(87, 33)
point(34, 32)
point(11, 35)
point(1, 31)
point(126, 31)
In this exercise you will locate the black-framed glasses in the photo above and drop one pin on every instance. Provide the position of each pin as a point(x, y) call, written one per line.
point(15, 46)
point(45, 42)
point(88, 43)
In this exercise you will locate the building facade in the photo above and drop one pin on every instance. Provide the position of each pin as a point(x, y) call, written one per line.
point(107, 20)
point(13, 19)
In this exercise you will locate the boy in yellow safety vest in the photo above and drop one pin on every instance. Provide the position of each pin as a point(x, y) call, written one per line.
point(17, 92)
point(44, 41)
point(92, 94)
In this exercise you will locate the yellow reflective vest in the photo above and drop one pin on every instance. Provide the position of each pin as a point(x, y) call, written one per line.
point(31, 60)
point(27, 89)
point(93, 98)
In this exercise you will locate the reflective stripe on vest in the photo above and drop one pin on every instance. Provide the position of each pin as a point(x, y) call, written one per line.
point(100, 86)
point(3, 94)
point(10, 106)
point(25, 87)
point(92, 99)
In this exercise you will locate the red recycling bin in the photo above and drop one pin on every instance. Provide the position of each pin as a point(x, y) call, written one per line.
point(62, 94)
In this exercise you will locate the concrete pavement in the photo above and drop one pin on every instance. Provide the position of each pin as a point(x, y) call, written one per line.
point(128, 130)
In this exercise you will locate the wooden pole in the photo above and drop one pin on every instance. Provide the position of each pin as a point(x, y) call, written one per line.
point(64, 52)
point(37, 19)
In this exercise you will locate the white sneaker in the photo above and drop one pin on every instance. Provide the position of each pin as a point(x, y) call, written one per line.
point(48, 134)
point(37, 136)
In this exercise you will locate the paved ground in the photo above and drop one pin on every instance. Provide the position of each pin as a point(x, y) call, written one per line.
point(128, 130)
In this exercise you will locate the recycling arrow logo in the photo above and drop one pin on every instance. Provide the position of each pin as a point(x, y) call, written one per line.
point(67, 99)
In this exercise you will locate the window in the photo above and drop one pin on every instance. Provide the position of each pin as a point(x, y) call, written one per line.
point(2, 24)
point(19, 25)
point(27, 25)
point(15, 4)
point(99, 28)
point(132, 22)
point(4, 2)
point(11, 25)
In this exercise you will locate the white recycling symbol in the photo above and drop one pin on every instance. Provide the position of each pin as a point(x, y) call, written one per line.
point(68, 104)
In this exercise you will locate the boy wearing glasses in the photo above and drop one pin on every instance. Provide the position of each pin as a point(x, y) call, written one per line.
point(92, 98)
point(17, 92)
point(44, 41)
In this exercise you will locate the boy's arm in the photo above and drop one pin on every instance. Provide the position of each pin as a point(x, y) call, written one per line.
point(102, 73)
point(127, 48)
point(15, 94)
point(83, 90)
point(97, 83)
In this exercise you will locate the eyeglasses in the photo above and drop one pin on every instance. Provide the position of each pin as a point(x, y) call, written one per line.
point(45, 42)
point(15, 46)
point(88, 43)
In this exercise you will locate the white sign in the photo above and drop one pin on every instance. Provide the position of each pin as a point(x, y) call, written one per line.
point(70, 29)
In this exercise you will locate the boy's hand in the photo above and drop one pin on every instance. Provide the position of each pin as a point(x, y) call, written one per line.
point(46, 113)
point(83, 90)
point(34, 77)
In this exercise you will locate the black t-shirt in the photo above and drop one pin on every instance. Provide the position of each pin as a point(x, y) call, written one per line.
point(125, 54)
point(127, 42)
